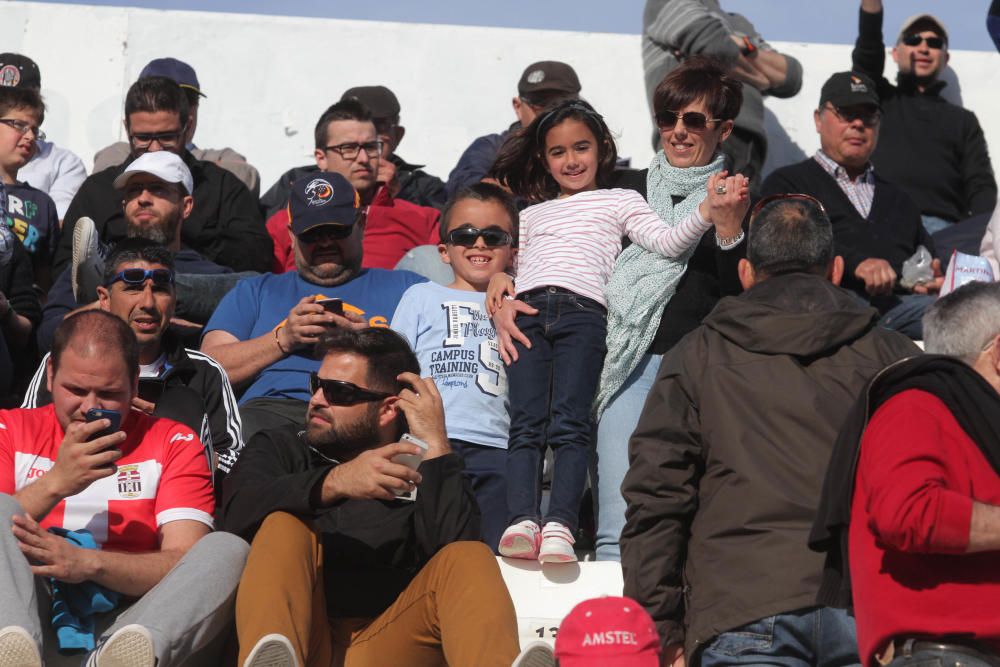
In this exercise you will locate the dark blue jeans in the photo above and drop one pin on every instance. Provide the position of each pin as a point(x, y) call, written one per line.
point(486, 470)
point(552, 387)
point(815, 637)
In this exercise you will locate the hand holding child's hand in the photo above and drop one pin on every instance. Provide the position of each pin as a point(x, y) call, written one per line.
point(500, 286)
point(727, 202)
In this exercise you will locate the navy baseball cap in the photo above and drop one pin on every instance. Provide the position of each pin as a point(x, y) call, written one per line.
point(17, 71)
point(174, 70)
point(849, 89)
point(322, 198)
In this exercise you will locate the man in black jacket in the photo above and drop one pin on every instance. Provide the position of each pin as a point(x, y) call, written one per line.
point(876, 226)
point(225, 225)
point(343, 567)
point(932, 149)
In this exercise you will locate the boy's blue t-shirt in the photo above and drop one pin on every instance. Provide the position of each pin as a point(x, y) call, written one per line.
point(31, 215)
point(257, 305)
point(457, 346)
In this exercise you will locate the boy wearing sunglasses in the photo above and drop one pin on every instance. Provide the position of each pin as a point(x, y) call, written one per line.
point(456, 343)
point(933, 149)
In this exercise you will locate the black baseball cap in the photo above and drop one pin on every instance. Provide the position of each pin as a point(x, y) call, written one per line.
point(17, 71)
point(379, 100)
point(175, 70)
point(849, 89)
point(548, 78)
point(322, 198)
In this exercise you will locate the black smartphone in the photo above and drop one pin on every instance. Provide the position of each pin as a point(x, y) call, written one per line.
point(335, 306)
point(116, 421)
point(150, 389)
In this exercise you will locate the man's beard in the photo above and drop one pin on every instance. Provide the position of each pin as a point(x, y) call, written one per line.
point(163, 232)
point(344, 441)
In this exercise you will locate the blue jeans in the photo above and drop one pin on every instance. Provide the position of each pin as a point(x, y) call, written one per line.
point(907, 316)
point(552, 388)
point(613, 432)
point(815, 637)
point(486, 470)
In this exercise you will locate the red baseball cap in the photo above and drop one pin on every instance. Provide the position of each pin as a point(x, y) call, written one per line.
point(608, 632)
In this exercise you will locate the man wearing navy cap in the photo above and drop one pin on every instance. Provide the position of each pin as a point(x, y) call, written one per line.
point(263, 332)
point(185, 77)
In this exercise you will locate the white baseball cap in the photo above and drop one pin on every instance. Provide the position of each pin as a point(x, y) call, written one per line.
point(164, 165)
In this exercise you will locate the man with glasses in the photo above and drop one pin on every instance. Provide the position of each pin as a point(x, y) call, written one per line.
point(182, 384)
point(934, 150)
point(876, 226)
point(726, 463)
point(225, 224)
point(364, 546)
point(347, 143)
point(265, 329)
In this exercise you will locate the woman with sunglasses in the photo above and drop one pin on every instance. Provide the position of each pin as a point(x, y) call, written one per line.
point(654, 302)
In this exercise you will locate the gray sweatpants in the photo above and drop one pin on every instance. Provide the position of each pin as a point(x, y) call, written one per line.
point(190, 607)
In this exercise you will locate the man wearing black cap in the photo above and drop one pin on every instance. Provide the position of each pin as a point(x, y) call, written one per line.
point(54, 170)
point(542, 83)
point(264, 330)
point(934, 150)
point(185, 77)
point(876, 226)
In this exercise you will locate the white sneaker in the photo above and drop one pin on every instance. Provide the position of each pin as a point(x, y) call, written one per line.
point(557, 544)
point(18, 649)
point(535, 654)
point(87, 271)
point(130, 646)
point(272, 650)
point(520, 540)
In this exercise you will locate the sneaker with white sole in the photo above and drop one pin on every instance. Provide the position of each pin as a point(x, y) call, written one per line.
point(557, 544)
point(272, 650)
point(18, 649)
point(535, 654)
point(129, 646)
point(87, 271)
point(521, 540)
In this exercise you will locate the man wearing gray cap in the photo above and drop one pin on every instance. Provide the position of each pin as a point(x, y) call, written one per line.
point(934, 150)
point(542, 83)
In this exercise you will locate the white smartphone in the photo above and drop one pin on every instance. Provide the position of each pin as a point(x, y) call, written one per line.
point(411, 461)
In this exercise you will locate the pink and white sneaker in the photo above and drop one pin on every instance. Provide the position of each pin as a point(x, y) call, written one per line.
point(557, 544)
point(521, 540)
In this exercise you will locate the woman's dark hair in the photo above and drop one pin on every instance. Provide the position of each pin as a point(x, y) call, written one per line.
point(699, 78)
point(520, 165)
point(156, 93)
point(483, 192)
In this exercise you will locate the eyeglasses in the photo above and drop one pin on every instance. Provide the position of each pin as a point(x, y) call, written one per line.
point(868, 117)
point(138, 277)
point(914, 39)
point(350, 151)
point(792, 196)
point(320, 232)
point(165, 139)
point(338, 392)
point(693, 120)
point(22, 127)
point(468, 235)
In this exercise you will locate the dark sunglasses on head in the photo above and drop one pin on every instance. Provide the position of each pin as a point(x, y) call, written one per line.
point(914, 39)
point(467, 236)
point(759, 206)
point(693, 120)
point(160, 277)
point(338, 392)
point(315, 234)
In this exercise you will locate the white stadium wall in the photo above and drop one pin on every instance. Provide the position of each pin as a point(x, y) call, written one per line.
point(268, 78)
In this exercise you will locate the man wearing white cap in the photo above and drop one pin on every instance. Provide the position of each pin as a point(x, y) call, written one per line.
point(934, 150)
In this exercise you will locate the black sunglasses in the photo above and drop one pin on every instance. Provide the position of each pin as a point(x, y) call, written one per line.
point(338, 392)
point(914, 39)
point(136, 277)
point(319, 232)
point(467, 236)
point(693, 120)
point(868, 117)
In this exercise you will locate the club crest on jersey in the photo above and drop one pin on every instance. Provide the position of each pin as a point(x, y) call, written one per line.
point(129, 481)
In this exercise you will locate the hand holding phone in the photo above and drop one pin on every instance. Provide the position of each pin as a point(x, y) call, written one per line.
point(335, 306)
point(411, 461)
point(113, 416)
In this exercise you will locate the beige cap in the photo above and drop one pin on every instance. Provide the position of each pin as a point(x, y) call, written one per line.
point(925, 18)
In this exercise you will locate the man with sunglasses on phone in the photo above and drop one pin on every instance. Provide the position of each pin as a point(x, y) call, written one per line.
point(728, 458)
point(265, 329)
point(933, 149)
point(224, 225)
point(342, 568)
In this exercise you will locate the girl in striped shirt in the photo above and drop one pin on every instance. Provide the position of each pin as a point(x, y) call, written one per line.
point(568, 246)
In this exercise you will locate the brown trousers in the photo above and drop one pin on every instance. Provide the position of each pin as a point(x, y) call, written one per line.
point(455, 612)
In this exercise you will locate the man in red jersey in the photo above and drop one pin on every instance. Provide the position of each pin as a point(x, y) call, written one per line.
point(139, 495)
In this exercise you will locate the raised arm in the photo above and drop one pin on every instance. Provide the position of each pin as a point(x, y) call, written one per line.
point(869, 49)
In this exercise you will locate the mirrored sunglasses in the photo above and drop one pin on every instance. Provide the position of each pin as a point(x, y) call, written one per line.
point(160, 277)
point(693, 120)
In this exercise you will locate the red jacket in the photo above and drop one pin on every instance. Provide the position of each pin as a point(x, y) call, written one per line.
point(394, 227)
point(918, 475)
